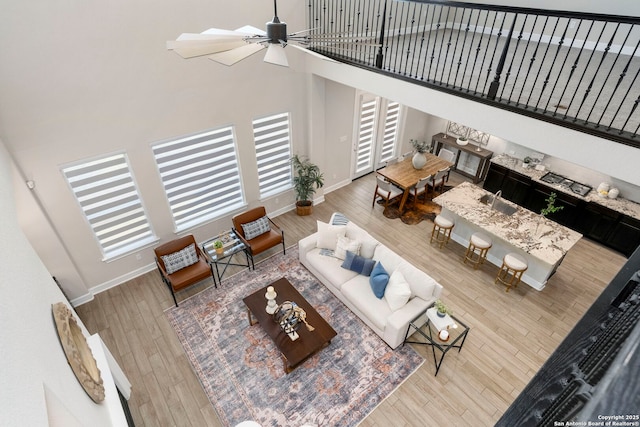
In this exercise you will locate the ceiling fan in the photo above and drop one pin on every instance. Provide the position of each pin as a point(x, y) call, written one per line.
point(231, 46)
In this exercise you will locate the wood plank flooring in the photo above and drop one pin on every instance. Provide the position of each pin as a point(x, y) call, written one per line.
point(511, 336)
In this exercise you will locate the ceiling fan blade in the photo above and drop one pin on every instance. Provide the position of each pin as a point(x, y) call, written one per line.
point(251, 31)
point(189, 45)
point(232, 56)
point(312, 53)
point(276, 55)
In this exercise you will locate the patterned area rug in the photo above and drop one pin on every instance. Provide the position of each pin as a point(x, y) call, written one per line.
point(414, 214)
point(242, 372)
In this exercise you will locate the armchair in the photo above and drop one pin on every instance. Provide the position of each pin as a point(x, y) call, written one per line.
point(257, 231)
point(181, 264)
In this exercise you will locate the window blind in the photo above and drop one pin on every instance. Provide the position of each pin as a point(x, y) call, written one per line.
point(273, 153)
point(109, 199)
point(200, 175)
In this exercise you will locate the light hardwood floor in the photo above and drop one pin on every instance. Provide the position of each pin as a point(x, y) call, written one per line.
point(511, 335)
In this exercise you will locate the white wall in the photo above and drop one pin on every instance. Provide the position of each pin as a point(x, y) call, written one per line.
point(31, 354)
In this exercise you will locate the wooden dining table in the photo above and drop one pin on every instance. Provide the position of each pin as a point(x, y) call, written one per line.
point(405, 176)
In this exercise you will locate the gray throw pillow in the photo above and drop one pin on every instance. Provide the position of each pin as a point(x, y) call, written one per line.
point(181, 259)
point(255, 228)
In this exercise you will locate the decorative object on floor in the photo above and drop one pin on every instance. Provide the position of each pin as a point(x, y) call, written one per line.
point(442, 309)
point(240, 368)
point(271, 295)
point(78, 353)
point(306, 181)
point(415, 213)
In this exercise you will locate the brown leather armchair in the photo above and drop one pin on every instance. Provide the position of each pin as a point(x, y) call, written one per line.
point(263, 241)
point(185, 276)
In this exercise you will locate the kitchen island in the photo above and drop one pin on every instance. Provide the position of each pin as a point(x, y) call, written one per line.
point(543, 243)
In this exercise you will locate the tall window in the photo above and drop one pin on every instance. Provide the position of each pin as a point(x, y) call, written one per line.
point(273, 152)
point(376, 132)
point(109, 199)
point(200, 175)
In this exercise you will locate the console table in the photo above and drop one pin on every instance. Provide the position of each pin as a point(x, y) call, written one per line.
point(441, 140)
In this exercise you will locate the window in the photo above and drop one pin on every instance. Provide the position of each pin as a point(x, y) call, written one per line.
point(200, 175)
point(273, 153)
point(109, 199)
point(377, 133)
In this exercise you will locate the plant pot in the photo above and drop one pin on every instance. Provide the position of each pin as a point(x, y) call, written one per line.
point(219, 251)
point(462, 141)
point(440, 314)
point(419, 160)
point(304, 208)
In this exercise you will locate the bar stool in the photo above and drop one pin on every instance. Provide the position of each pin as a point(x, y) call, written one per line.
point(477, 250)
point(441, 232)
point(513, 265)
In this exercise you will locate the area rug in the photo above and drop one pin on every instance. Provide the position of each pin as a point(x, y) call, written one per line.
point(242, 372)
point(414, 214)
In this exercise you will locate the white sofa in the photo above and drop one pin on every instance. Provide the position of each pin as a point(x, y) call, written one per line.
point(354, 289)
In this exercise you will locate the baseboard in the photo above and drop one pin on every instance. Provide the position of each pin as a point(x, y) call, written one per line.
point(112, 283)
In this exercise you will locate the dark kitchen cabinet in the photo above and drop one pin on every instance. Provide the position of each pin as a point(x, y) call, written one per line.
point(516, 187)
point(566, 216)
point(596, 222)
point(625, 235)
point(495, 177)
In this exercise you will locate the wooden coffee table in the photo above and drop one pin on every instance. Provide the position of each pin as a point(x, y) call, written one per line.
point(308, 343)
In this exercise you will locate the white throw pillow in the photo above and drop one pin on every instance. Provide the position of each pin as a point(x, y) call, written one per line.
point(328, 235)
point(367, 243)
point(397, 292)
point(346, 244)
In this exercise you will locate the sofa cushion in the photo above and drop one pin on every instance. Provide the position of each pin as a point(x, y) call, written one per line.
point(390, 259)
point(397, 292)
point(378, 280)
point(255, 228)
point(360, 265)
point(367, 243)
point(328, 235)
point(329, 267)
point(358, 292)
point(422, 285)
point(180, 259)
point(346, 244)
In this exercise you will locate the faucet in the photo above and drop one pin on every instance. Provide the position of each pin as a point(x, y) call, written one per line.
point(498, 194)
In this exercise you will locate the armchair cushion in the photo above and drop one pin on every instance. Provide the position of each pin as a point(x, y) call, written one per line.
point(180, 259)
point(255, 228)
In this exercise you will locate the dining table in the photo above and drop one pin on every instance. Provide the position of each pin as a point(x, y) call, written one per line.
point(403, 175)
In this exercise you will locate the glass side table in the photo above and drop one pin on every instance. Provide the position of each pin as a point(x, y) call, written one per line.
point(442, 333)
point(231, 246)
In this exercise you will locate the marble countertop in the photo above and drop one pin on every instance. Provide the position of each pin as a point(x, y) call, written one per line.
point(536, 235)
point(618, 204)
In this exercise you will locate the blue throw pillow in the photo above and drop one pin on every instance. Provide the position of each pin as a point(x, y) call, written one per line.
point(378, 280)
point(358, 264)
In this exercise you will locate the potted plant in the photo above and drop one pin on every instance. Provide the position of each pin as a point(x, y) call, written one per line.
point(527, 162)
point(306, 181)
point(551, 207)
point(462, 140)
point(442, 309)
point(219, 246)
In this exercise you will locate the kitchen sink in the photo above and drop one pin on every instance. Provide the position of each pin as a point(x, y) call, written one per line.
point(569, 184)
point(499, 205)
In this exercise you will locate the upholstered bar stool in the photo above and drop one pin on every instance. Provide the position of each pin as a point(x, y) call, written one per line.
point(441, 232)
point(479, 246)
point(513, 266)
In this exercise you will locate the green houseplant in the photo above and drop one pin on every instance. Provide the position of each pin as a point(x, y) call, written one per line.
point(219, 246)
point(441, 308)
point(306, 181)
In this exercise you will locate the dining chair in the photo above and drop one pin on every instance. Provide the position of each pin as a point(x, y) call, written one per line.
point(422, 187)
point(439, 178)
point(449, 156)
point(385, 190)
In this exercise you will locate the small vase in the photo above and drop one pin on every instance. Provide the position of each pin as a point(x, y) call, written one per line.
point(440, 314)
point(419, 160)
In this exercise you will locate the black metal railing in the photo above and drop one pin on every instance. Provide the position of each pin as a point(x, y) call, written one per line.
point(573, 69)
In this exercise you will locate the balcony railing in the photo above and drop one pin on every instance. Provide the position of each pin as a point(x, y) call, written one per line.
point(573, 69)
